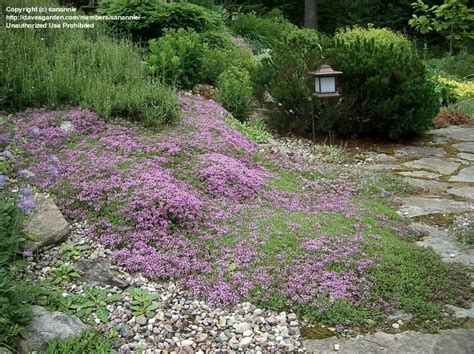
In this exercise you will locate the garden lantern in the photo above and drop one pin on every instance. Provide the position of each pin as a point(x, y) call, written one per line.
point(325, 86)
point(234, 15)
point(325, 81)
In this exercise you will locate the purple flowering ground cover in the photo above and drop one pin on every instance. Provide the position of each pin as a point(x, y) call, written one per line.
point(200, 204)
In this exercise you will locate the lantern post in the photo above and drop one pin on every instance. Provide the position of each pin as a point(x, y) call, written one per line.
point(325, 86)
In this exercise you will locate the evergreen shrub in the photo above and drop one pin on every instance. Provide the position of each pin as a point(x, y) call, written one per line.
point(386, 88)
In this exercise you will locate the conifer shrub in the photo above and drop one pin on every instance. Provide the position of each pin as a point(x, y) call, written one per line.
point(157, 16)
point(386, 89)
point(284, 74)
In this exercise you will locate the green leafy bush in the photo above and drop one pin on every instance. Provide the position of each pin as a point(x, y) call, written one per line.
point(253, 129)
point(216, 60)
point(234, 91)
point(143, 302)
point(80, 68)
point(266, 30)
point(176, 57)
point(157, 16)
point(285, 75)
point(386, 90)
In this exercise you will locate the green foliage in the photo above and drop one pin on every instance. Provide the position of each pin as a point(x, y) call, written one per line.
point(88, 342)
point(418, 280)
point(452, 18)
point(72, 250)
point(157, 16)
point(254, 129)
point(15, 314)
point(386, 90)
point(176, 57)
point(93, 300)
point(458, 67)
point(216, 60)
point(64, 273)
point(11, 220)
point(234, 91)
point(286, 74)
point(81, 68)
point(184, 58)
point(266, 30)
point(143, 302)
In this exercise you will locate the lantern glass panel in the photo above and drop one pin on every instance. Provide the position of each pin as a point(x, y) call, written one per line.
point(328, 84)
point(317, 85)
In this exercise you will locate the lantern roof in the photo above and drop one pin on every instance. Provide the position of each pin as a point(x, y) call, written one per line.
point(325, 70)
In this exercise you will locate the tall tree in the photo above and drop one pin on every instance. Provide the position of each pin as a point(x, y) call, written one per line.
point(310, 14)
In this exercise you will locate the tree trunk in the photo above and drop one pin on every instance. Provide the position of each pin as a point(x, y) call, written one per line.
point(310, 14)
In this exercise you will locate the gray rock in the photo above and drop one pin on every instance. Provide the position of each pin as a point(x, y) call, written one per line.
point(463, 192)
point(420, 174)
point(466, 156)
point(141, 320)
point(242, 327)
point(455, 132)
point(444, 244)
point(245, 342)
point(45, 226)
point(462, 313)
point(48, 326)
point(465, 175)
point(124, 330)
point(96, 272)
point(420, 151)
point(459, 341)
point(464, 147)
point(416, 206)
point(444, 166)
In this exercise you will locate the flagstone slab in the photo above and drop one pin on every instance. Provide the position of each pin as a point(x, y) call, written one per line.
point(444, 244)
point(453, 341)
point(426, 184)
point(422, 151)
point(463, 192)
point(465, 175)
point(454, 132)
point(418, 206)
point(464, 147)
point(443, 166)
point(466, 156)
point(420, 174)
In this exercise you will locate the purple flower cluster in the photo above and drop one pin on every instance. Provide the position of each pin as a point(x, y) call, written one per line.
point(27, 202)
point(186, 204)
point(229, 177)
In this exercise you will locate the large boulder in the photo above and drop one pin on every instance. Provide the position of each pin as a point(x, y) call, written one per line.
point(47, 326)
point(46, 226)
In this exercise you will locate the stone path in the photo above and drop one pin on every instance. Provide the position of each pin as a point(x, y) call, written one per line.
point(442, 165)
point(459, 341)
